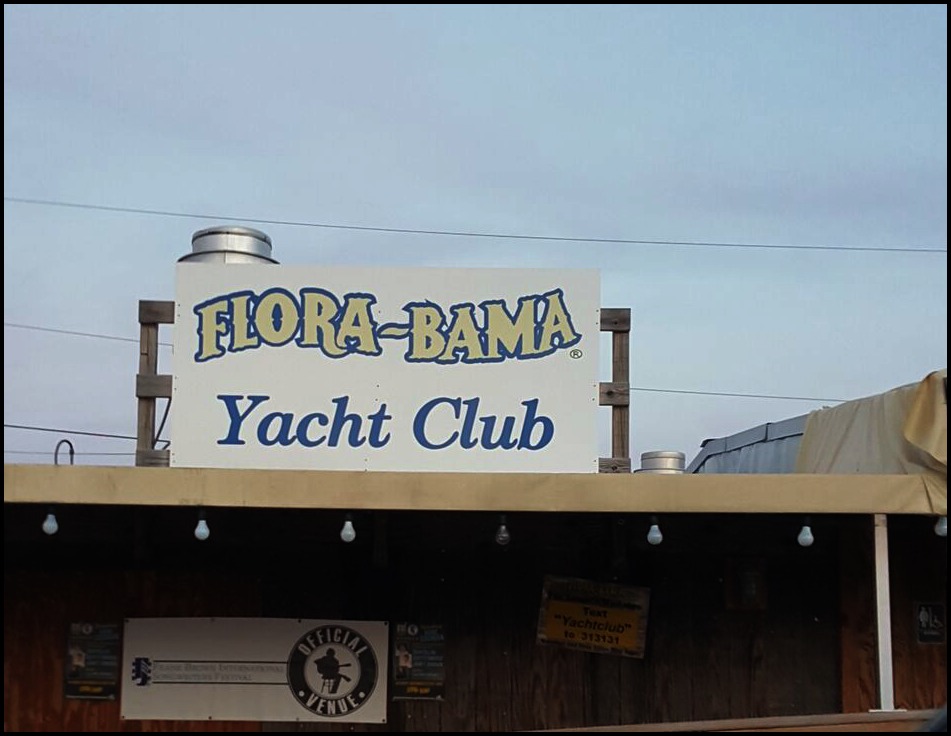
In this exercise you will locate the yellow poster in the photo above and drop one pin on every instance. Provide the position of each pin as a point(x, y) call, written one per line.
point(595, 617)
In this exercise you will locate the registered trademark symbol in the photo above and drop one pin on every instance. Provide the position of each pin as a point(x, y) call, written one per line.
point(575, 353)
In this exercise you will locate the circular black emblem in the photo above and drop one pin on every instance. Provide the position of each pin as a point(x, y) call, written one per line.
point(332, 670)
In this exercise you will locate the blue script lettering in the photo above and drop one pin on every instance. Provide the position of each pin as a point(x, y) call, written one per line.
point(494, 435)
point(283, 428)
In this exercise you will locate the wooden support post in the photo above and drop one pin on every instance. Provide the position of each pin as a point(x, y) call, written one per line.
point(148, 366)
point(616, 394)
point(149, 385)
point(621, 414)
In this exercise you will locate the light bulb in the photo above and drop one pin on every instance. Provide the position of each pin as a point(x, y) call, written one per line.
point(50, 525)
point(502, 535)
point(348, 533)
point(941, 526)
point(805, 537)
point(202, 532)
point(654, 535)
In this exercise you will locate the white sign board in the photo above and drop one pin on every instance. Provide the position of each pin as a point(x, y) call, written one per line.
point(254, 669)
point(385, 369)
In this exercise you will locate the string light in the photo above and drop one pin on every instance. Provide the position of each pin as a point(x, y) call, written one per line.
point(654, 535)
point(805, 537)
point(202, 532)
point(502, 535)
point(50, 525)
point(348, 533)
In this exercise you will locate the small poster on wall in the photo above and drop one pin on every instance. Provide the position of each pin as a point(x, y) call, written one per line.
point(930, 621)
point(418, 664)
point(92, 661)
point(255, 669)
point(597, 617)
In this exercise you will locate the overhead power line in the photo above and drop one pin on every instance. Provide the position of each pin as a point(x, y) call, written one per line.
point(461, 233)
point(38, 452)
point(85, 433)
point(76, 333)
point(738, 395)
point(633, 388)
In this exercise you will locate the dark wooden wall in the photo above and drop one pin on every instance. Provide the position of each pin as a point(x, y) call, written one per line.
point(38, 607)
point(708, 654)
point(919, 573)
point(104, 565)
point(857, 622)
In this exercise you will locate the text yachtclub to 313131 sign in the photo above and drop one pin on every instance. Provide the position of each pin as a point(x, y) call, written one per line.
point(479, 370)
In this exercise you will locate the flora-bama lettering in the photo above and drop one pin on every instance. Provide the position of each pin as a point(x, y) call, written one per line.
point(341, 327)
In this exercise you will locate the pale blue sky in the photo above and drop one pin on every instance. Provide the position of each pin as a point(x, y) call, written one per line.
point(773, 124)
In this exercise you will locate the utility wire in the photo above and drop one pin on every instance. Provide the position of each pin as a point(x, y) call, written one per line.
point(38, 452)
point(75, 333)
point(70, 431)
point(460, 233)
point(737, 395)
point(632, 388)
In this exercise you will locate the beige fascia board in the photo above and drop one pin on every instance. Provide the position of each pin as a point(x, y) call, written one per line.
point(541, 492)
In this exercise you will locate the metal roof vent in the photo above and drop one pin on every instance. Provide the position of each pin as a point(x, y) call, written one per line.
point(662, 461)
point(229, 245)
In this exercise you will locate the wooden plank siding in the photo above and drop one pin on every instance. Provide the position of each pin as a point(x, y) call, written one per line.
point(857, 637)
point(918, 565)
point(918, 561)
point(898, 722)
point(39, 605)
point(705, 659)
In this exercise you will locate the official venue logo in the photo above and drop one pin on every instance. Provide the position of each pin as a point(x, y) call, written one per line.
point(332, 670)
point(142, 671)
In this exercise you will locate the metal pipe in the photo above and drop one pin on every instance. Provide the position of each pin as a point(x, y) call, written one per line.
point(229, 245)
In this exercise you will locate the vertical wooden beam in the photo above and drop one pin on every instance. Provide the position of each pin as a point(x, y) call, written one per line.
point(148, 385)
point(616, 394)
point(148, 366)
point(620, 415)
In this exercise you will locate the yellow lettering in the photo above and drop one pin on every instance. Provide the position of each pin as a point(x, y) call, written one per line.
point(241, 336)
point(318, 308)
point(426, 342)
point(209, 328)
point(276, 317)
point(515, 335)
point(357, 325)
point(463, 335)
point(557, 322)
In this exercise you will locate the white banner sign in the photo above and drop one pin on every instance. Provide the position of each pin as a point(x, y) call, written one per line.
point(385, 369)
point(254, 669)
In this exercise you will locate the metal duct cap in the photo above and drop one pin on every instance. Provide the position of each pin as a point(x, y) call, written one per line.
point(229, 245)
point(662, 461)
